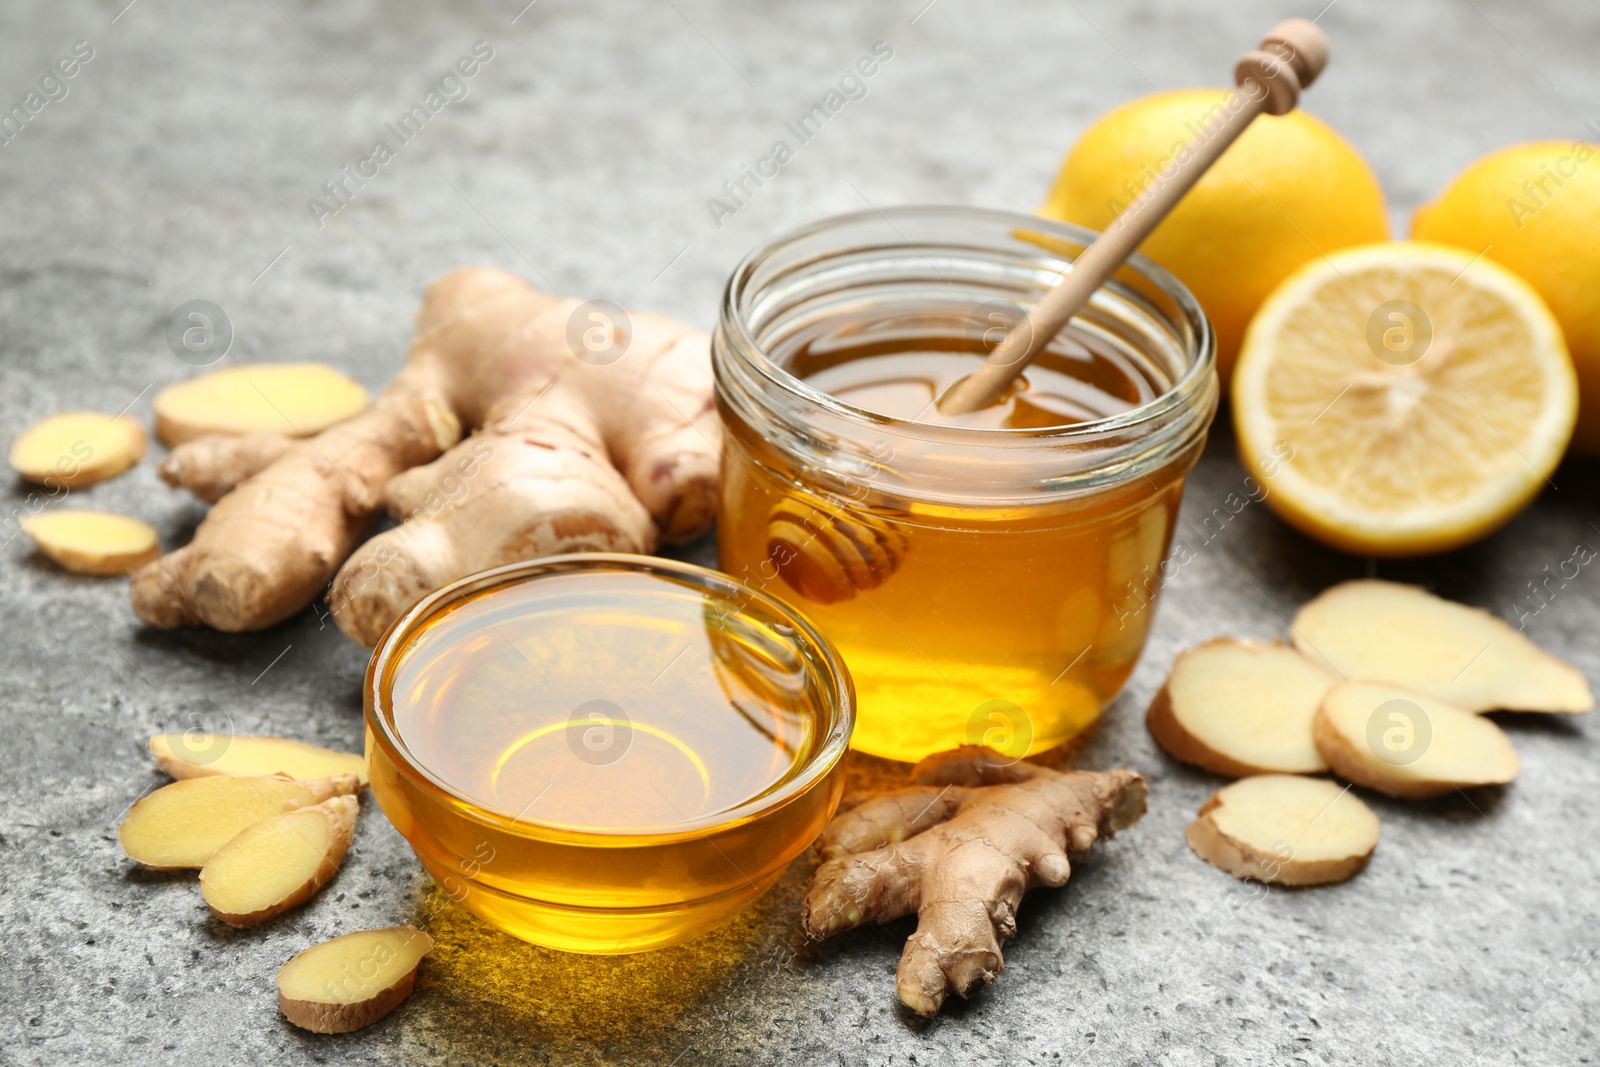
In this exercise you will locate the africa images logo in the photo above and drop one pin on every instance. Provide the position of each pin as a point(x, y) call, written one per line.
point(451, 87)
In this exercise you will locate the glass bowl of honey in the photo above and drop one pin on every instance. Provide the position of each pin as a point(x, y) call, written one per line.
point(606, 753)
point(989, 578)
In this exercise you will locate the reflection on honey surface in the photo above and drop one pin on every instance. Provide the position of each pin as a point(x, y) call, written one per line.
point(555, 695)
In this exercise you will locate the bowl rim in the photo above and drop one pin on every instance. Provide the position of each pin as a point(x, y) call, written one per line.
point(823, 760)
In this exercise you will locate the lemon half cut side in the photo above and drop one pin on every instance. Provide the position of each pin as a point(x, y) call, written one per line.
point(1403, 398)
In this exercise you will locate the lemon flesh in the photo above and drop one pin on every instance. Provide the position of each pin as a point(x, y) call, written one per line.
point(1403, 398)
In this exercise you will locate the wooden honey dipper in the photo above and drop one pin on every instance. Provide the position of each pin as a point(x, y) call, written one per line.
point(1270, 79)
point(827, 554)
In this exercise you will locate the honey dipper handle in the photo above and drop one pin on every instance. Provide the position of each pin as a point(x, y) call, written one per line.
point(1291, 56)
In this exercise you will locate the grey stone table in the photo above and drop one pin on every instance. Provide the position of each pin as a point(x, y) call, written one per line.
point(179, 165)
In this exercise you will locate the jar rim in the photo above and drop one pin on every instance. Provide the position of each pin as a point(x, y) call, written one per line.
point(835, 676)
point(1187, 388)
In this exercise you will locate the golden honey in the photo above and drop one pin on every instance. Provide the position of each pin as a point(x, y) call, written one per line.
point(989, 578)
point(605, 754)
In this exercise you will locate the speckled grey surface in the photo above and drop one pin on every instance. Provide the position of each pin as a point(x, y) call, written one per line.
point(178, 167)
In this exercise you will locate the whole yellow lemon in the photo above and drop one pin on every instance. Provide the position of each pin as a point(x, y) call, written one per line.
point(1536, 209)
point(1288, 190)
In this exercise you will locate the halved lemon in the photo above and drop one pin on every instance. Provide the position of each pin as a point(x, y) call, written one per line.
point(1402, 398)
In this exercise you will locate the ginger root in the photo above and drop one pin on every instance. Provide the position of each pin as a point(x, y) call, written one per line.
point(294, 399)
point(1241, 707)
point(571, 452)
point(1378, 631)
point(269, 546)
point(959, 849)
point(570, 455)
point(1409, 745)
point(182, 825)
point(197, 755)
point(1285, 829)
point(278, 863)
point(77, 448)
point(351, 981)
point(93, 542)
point(214, 465)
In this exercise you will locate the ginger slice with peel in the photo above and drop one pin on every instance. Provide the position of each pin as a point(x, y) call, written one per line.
point(1285, 829)
point(77, 448)
point(353, 980)
point(1240, 707)
point(1378, 631)
point(1406, 744)
point(198, 755)
point(93, 542)
point(959, 849)
point(293, 399)
point(278, 863)
point(182, 825)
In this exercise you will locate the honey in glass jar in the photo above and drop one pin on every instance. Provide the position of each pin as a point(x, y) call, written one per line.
point(989, 578)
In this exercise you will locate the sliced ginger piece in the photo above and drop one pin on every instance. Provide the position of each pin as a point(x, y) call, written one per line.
point(293, 399)
point(93, 542)
point(1406, 744)
point(1285, 829)
point(278, 863)
point(353, 980)
point(1379, 631)
point(197, 755)
point(184, 824)
point(77, 448)
point(1241, 707)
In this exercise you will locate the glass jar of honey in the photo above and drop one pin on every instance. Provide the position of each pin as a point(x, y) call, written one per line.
point(989, 578)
